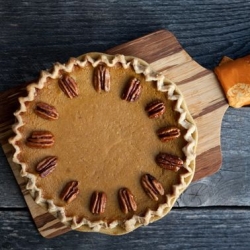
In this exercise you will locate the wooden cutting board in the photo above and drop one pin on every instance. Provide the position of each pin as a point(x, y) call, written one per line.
point(199, 86)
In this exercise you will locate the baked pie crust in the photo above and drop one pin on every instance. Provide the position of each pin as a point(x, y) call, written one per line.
point(102, 155)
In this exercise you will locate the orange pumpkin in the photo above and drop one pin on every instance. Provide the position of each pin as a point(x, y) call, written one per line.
point(234, 76)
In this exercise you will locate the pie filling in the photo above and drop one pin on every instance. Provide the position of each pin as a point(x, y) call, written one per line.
point(103, 144)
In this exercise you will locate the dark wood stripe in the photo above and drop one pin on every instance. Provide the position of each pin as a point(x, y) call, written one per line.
point(167, 68)
point(5, 134)
point(211, 108)
point(158, 45)
point(23, 187)
point(24, 190)
point(43, 219)
point(11, 95)
point(8, 151)
point(203, 167)
point(59, 231)
point(57, 226)
point(201, 74)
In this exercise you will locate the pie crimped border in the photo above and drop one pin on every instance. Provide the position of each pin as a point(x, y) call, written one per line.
point(185, 120)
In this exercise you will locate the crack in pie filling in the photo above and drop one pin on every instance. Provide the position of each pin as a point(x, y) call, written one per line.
point(106, 143)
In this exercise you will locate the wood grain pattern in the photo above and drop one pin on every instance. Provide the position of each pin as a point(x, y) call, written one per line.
point(199, 86)
point(195, 229)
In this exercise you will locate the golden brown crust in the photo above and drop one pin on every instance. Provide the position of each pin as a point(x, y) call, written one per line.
point(185, 121)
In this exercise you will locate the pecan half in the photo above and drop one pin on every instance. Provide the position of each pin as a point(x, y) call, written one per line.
point(168, 161)
point(127, 200)
point(155, 109)
point(46, 111)
point(151, 186)
point(40, 139)
point(46, 166)
point(70, 191)
point(167, 134)
point(98, 202)
point(69, 86)
point(132, 90)
point(101, 78)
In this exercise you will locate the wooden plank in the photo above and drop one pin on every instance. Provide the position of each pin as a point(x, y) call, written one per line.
point(214, 228)
point(62, 29)
point(199, 86)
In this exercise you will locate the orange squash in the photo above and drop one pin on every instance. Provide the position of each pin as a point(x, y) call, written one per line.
point(234, 76)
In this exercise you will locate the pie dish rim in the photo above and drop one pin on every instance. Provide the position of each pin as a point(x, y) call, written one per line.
point(185, 120)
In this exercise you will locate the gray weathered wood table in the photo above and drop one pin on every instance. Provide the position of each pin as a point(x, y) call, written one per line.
point(214, 213)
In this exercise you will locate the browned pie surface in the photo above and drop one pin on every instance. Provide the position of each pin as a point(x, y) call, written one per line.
point(102, 141)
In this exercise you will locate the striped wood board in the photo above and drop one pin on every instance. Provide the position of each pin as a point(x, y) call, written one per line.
point(201, 90)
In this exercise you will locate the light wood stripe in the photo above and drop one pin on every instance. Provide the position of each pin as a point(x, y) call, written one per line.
point(173, 60)
point(56, 231)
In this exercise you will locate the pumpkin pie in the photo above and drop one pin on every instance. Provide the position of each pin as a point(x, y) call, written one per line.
point(106, 143)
